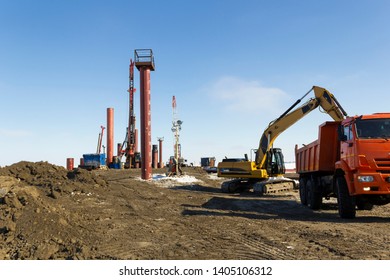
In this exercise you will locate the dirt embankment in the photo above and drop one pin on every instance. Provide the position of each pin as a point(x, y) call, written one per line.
point(32, 223)
point(47, 212)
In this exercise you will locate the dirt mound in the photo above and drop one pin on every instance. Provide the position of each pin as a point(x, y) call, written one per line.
point(31, 199)
point(53, 177)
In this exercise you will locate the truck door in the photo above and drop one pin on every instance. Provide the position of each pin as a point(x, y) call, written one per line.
point(347, 148)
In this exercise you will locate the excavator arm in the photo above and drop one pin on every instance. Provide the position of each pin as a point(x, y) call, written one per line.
point(265, 174)
point(323, 98)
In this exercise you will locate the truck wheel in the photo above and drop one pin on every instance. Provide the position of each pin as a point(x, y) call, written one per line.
point(302, 190)
point(313, 195)
point(346, 203)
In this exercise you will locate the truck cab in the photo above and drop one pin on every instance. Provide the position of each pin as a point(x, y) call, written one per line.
point(365, 154)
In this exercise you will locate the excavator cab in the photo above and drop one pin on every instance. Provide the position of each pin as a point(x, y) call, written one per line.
point(275, 162)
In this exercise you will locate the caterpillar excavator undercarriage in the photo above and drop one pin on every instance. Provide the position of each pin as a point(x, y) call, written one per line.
point(265, 175)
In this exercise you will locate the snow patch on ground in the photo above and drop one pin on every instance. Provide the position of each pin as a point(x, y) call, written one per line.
point(164, 181)
point(214, 176)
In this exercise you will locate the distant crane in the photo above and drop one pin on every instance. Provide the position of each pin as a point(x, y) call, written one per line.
point(129, 144)
point(100, 138)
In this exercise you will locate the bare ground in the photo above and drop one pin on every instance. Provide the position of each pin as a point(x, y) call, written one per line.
point(49, 213)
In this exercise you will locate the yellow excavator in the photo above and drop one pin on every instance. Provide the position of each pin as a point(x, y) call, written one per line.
point(265, 174)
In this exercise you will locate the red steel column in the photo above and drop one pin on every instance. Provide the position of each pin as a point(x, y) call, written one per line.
point(110, 135)
point(146, 139)
point(70, 164)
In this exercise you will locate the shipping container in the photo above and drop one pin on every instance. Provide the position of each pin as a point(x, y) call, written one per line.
point(94, 160)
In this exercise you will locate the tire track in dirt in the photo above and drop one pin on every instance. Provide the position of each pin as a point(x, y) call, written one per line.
point(374, 243)
point(246, 247)
point(117, 250)
point(260, 248)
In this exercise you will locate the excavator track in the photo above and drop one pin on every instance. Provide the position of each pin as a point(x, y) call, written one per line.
point(274, 186)
point(271, 185)
point(236, 185)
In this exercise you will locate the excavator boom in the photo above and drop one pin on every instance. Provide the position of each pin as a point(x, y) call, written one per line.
point(268, 167)
point(323, 98)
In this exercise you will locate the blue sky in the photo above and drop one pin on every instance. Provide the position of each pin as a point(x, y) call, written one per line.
point(233, 66)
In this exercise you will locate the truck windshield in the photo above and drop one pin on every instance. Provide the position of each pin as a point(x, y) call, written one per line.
point(373, 128)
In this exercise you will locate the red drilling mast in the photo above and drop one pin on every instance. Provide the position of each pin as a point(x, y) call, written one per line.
point(128, 147)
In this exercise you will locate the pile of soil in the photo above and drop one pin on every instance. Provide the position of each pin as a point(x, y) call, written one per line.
point(46, 175)
point(28, 192)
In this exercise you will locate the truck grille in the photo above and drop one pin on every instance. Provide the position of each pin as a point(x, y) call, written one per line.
point(383, 165)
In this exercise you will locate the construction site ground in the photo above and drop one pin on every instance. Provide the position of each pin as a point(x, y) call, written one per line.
point(47, 212)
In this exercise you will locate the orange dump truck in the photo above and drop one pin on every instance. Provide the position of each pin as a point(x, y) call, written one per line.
point(350, 160)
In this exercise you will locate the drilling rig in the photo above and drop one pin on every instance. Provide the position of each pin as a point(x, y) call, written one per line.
point(128, 147)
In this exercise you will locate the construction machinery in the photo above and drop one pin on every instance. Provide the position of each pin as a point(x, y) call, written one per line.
point(100, 140)
point(98, 159)
point(265, 174)
point(128, 147)
point(350, 160)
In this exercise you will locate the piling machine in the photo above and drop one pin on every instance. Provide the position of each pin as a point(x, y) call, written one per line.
point(265, 174)
point(98, 159)
point(128, 147)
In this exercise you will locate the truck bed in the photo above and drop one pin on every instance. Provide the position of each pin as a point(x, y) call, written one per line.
point(321, 154)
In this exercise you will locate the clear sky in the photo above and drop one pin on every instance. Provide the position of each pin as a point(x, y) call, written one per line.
point(233, 66)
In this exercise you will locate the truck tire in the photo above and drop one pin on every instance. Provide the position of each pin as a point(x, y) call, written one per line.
point(313, 195)
point(302, 190)
point(346, 203)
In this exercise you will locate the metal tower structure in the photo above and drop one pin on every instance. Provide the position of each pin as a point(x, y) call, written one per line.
point(176, 127)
